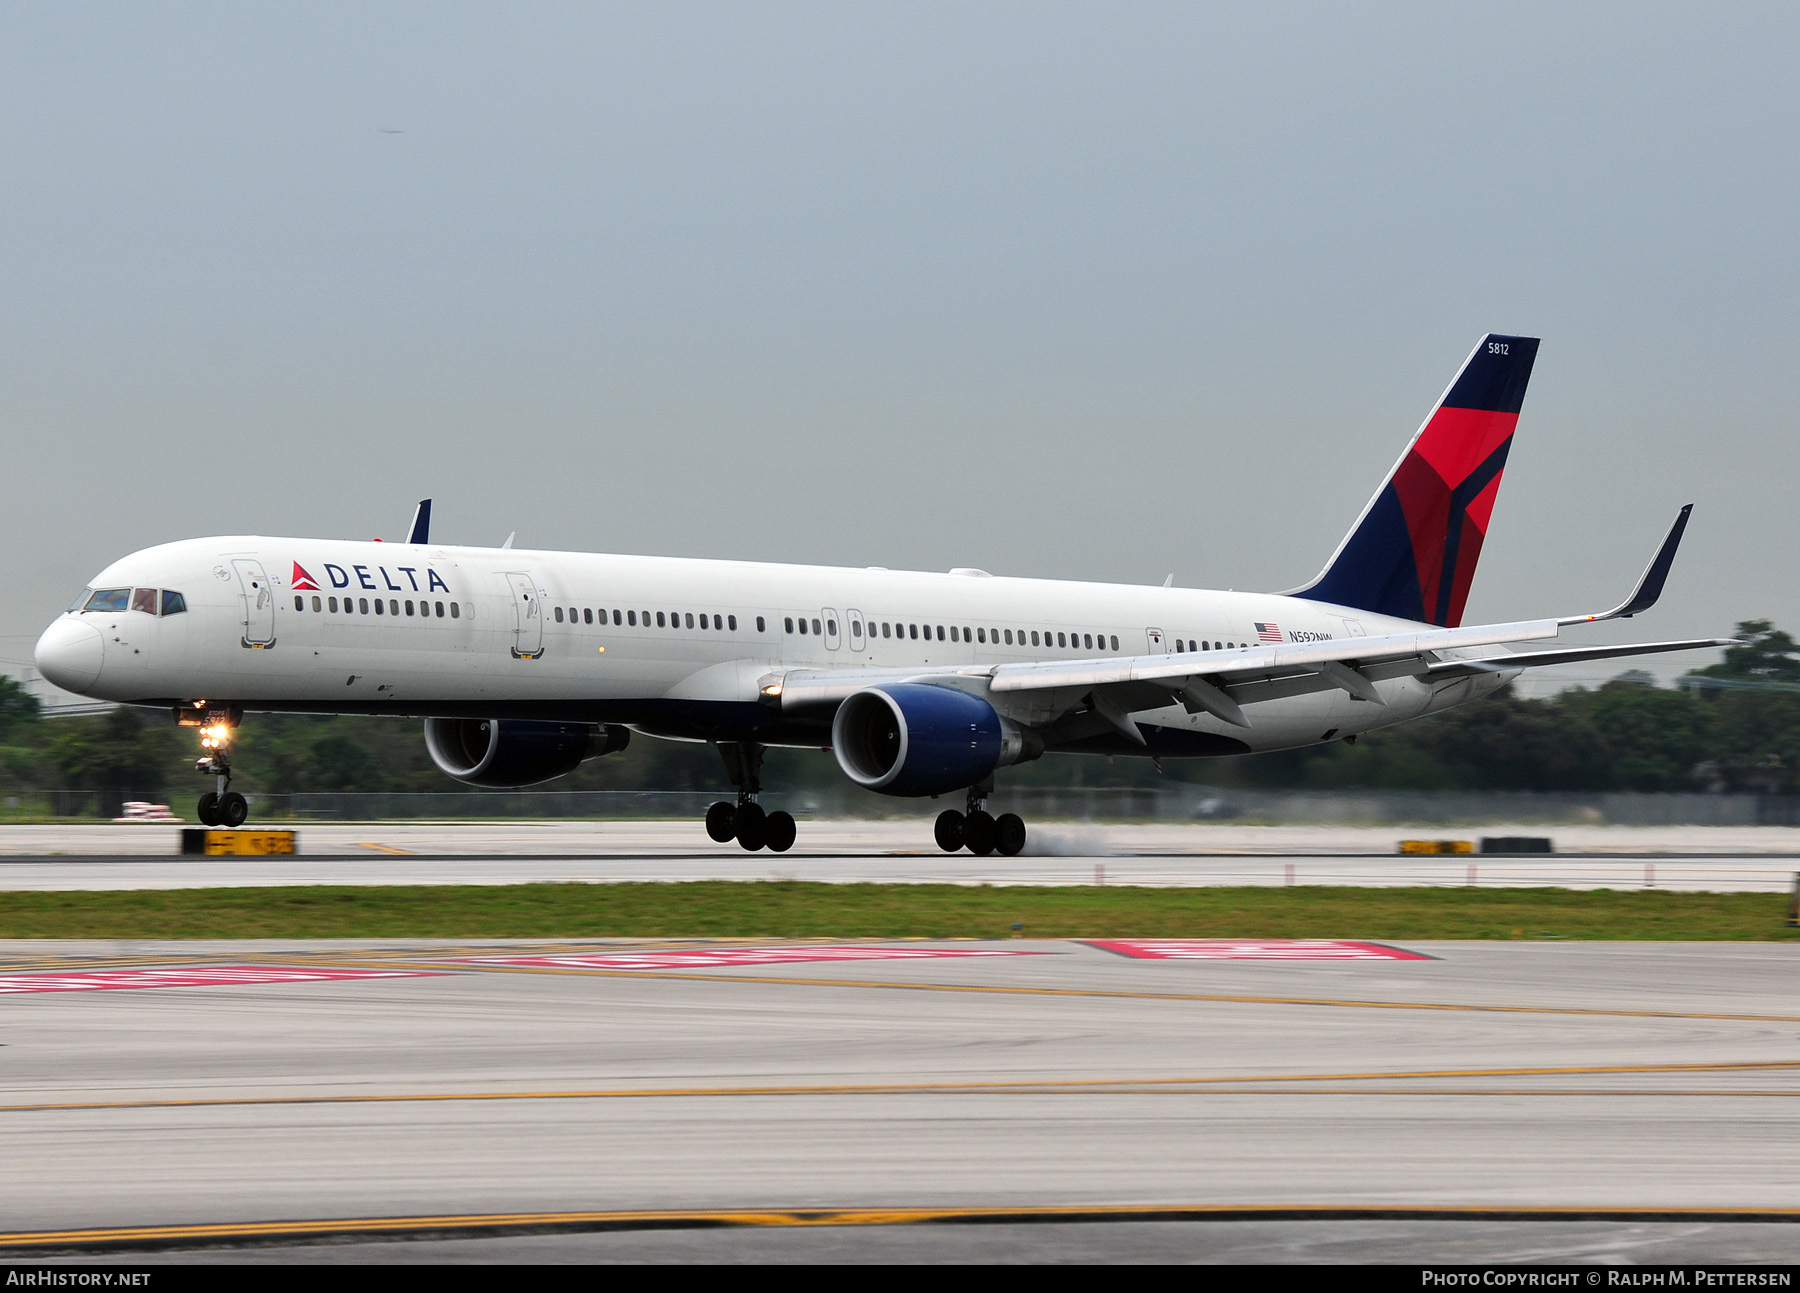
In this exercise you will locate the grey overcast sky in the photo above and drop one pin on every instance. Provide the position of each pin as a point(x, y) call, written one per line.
point(1099, 291)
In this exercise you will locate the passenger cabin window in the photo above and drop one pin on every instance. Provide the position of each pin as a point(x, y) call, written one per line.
point(559, 615)
point(690, 619)
point(393, 606)
point(455, 610)
point(299, 602)
point(108, 599)
point(815, 625)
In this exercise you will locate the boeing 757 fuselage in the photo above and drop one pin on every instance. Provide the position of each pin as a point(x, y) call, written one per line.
point(524, 663)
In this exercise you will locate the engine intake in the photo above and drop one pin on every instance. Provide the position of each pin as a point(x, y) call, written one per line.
point(920, 739)
point(505, 754)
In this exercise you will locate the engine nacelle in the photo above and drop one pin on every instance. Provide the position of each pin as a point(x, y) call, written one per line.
point(915, 738)
point(505, 754)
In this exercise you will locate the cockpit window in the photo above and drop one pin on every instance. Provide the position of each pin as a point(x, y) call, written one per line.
point(173, 602)
point(144, 599)
point(108, 599)
point(81, 602)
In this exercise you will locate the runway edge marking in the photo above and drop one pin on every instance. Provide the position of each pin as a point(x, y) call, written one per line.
point(1254, 949)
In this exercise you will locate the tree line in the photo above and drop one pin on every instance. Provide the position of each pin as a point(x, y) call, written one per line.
point(1734, 726)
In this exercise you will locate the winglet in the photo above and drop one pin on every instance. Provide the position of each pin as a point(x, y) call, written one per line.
point(420, 530)
point(1651, 585)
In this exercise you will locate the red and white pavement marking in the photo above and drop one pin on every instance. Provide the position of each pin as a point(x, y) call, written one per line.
point(1277, 949)
point(208, 977)
point(700, 957)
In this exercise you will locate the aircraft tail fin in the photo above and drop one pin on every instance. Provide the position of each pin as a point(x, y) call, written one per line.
point(1412, 552)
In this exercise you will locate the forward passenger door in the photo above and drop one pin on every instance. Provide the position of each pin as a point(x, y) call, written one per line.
point(259, 603)
point(528, 613)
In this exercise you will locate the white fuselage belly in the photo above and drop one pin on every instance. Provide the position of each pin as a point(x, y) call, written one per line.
point(678, 680)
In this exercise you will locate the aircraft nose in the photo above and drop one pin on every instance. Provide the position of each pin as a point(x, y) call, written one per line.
point(69, 654)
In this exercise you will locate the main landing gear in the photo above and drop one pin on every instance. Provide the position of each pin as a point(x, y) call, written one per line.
point(977, 831)
point(745, 821)
point(221, 806)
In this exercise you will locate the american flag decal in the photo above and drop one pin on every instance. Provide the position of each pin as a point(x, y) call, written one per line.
point(1268, 632)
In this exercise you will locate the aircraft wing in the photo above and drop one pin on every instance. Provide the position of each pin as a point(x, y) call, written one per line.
point(1348, 662)
point(1222, 682)
point(1570, 655)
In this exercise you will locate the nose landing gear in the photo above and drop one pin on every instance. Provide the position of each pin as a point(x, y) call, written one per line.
point(745, 821)
point(221, 806)
point(977, 831)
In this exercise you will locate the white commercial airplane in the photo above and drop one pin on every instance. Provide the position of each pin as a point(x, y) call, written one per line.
point(523, 664)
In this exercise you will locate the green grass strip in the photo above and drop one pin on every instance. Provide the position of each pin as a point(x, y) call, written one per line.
point(787, 909)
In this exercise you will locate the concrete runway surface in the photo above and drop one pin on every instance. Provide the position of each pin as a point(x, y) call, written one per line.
point(1762, 859)
point(510, 1101)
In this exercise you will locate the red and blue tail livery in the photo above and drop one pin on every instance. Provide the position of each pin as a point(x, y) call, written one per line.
point(1412, 553)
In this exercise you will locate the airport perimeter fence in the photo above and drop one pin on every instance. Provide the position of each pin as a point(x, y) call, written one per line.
point(1175, 803)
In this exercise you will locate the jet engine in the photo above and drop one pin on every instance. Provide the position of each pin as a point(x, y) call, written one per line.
point(921, 739)
point(505, 754)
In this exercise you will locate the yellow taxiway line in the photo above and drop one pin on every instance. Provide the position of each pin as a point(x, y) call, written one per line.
point(1119, 994)
point(1258, 1084)
point(670, 1219)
